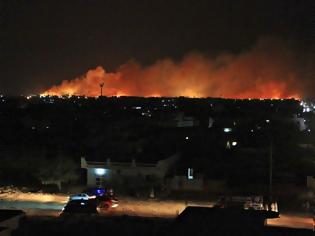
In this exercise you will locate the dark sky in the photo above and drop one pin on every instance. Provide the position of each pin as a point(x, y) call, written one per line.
point(44, 42)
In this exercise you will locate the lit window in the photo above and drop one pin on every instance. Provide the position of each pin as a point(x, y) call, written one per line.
point(100, 171)
point(190, 173)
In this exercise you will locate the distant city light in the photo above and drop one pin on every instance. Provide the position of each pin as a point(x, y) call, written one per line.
point(307, 106)
point(234, 143)
point(267, 121)
point(227, 130)
point(187, 138)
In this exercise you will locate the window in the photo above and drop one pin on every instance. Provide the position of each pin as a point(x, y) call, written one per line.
point(190, 173)
point(99, 181)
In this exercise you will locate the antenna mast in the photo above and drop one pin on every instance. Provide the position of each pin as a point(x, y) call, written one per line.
point(101, 86)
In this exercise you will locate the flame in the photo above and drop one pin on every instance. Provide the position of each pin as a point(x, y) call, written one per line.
point(268, 70)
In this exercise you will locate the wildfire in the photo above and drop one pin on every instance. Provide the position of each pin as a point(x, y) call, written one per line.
point(268, 70)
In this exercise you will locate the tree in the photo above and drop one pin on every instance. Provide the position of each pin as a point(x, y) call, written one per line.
point(57, 170)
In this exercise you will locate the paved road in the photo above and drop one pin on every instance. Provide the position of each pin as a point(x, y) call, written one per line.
point(293, 221)
point(148, 208)
point(32, 205)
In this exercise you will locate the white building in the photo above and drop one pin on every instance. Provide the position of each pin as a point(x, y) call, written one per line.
point(300, 122)
point(185, 121)
point(100, 173)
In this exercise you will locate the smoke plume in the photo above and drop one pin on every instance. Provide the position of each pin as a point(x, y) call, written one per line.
point(270, 69)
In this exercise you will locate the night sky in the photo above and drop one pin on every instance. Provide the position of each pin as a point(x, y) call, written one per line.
point(44, 42)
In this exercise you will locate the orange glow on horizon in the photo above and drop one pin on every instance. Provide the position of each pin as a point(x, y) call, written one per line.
point(266, 71)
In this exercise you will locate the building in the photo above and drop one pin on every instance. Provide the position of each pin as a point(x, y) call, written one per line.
point(179, 120)
point(108, 172)
point(185, 121)
point(186, 183)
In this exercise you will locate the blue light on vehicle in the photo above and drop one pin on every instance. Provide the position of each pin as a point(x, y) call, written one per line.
point(99, 191)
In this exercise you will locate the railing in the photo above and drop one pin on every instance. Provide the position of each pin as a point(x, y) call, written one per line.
point(97, 163)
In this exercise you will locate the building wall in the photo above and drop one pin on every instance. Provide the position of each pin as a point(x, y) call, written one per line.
point(183, 183)
point(11, 224)
point(310, 182)
point(118, 172)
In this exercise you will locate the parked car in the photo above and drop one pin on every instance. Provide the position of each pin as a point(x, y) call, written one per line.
point(241, 202)
point(80, 196)
point(75, 207)
point(97, 191)
point(107, 202)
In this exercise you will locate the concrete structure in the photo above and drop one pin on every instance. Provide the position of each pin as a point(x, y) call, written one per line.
point(182, 183)
point(100, 173)
point(185, 121)
point(9, 221)
point(300, 122)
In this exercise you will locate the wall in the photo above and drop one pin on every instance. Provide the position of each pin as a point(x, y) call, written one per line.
point(310, 182)
point(10, 224)
point(182, 183)
point(118, 172)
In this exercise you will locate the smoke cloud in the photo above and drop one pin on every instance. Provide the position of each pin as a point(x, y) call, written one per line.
point(270, 69)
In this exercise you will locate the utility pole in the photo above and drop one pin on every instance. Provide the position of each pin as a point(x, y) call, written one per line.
point(102, 85)
point(270, 170)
